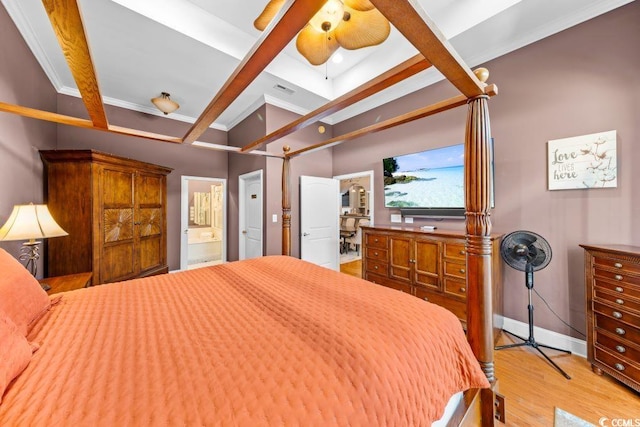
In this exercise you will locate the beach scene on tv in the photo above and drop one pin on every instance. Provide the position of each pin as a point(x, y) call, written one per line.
point(429, 179)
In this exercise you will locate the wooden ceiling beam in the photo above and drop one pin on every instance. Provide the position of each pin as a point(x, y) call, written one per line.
point(83, 123)
point(293, 16)
point(420, 113)
point(396, 74)
point(418, 28)
point(67, 23)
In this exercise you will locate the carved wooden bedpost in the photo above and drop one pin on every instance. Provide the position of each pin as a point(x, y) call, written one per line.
point(477, 203)
point(286, 203)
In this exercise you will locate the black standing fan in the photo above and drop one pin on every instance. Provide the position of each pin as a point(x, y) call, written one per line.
point(527, 251)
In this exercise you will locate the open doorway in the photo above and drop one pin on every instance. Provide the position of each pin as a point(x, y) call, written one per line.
point(204, 222)
point(356, 209)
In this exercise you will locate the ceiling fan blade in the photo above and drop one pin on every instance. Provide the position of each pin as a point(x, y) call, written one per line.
point(315, 46)
point(362, 29)
point(270, 10)
point(361, 5)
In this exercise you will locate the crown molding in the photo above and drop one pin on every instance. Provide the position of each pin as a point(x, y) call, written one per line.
point(15, 11)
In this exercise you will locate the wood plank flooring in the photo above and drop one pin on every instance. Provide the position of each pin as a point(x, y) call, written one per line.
point(533, 388)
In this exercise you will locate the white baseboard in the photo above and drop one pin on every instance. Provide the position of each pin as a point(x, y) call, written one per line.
point(547, 337)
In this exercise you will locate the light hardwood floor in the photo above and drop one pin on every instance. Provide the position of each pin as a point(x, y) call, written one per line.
point(533, 388)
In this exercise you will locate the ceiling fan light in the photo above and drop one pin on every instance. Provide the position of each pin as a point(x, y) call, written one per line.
point(328, 17)
point(164, 103)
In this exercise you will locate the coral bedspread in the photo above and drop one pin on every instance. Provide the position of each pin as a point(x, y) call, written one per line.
point(268, 341)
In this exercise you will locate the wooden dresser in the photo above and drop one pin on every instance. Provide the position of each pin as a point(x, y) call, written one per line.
point(430, 265)
point(612, 278)
point(114, 210)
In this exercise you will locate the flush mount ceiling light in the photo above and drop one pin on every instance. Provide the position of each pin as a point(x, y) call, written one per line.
point(351, 24)
point(164, 103)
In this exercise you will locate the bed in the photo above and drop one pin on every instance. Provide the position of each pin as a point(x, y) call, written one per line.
point(434, 50)
point(269, 341)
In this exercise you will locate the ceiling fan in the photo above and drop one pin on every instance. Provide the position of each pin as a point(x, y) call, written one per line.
point(351, 24)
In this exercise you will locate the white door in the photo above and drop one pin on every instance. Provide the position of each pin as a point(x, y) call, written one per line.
point(319, 224)
point(250, 212)
point(203, 219)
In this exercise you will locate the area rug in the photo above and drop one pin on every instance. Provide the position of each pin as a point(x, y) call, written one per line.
point(564, 419)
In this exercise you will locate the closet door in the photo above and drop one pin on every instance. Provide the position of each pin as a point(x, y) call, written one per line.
point(149, 221)
point(116, 233)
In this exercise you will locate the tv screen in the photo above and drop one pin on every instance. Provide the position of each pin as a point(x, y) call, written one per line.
point(428, 183)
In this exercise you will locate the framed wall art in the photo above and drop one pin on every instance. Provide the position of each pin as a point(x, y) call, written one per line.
point(587, 161)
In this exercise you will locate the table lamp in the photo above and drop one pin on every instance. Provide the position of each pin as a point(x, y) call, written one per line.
point(30, 222)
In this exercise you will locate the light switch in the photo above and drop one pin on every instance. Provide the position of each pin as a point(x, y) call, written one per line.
point(408, 220)
point(274, 218)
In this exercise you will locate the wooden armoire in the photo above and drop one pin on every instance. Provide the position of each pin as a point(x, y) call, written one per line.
point(114, 210)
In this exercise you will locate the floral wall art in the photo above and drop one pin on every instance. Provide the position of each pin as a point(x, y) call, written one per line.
point(587, 161)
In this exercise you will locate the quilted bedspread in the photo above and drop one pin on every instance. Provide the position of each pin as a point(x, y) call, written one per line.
point(268, 341)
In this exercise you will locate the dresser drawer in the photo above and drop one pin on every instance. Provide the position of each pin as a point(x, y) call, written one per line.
point(622, 289)
point(455, 251)
point(616, 346)
point(376, 241)
point(617, 328)
point(455, 287)
point(618, 300)
point(617, 264)
point(459, 308)
point(384, 281)
point(455, 269)
point(618, 364)
point(619, 276)
point(617, 313)
point(377, 254)
point(378, 267)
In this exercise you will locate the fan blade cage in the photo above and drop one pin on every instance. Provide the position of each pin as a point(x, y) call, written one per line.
point(521, 248)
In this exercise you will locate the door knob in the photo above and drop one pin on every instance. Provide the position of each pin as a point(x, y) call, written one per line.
point(244, 231)
point(306, 234)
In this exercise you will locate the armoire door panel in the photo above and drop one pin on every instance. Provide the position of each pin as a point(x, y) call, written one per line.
point(400, 261)
point(150, 221)
point(117, 188)
point(151, 253)
point(118, 225)
point(149, 190)
point(118, 263)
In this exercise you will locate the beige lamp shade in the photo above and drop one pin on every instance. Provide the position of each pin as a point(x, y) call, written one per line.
point(164, 103)
point(30, 222)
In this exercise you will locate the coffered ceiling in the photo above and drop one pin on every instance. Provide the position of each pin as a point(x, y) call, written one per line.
point(189, 48)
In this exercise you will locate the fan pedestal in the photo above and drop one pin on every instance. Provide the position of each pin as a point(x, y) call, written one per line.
point(531, 341)
point(527, 251)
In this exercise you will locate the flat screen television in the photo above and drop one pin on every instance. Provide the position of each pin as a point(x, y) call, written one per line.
point(427, 184)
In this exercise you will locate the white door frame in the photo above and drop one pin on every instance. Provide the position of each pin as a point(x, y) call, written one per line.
point(242, 179)
point(184, 215)
point(371, 192)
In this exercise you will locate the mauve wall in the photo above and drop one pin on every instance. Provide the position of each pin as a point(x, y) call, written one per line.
point(247, 131)
point(187, 160)
point(22, 82)
point(319, 164)
point(580, 81)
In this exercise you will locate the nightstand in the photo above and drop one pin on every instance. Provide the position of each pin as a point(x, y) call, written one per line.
point(66, 283)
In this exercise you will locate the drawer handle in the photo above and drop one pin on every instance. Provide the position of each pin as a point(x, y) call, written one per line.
point(426, 299)
point(375, 240)
point(376, 253)
point(620, 331)
point(463, 289)
point(412, 261)
point(618, 277)
point(620, 349)
point(619, 366)
point(462, 270)
point(617, 265)
point(462, 252)
point(620, 301)
point(619, 289)
point(375, 267)
point(617, 315)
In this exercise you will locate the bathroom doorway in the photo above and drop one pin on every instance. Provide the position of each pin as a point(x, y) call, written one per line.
point(203, 222)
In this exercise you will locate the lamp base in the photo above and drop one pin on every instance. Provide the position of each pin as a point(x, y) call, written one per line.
point(30, 252)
